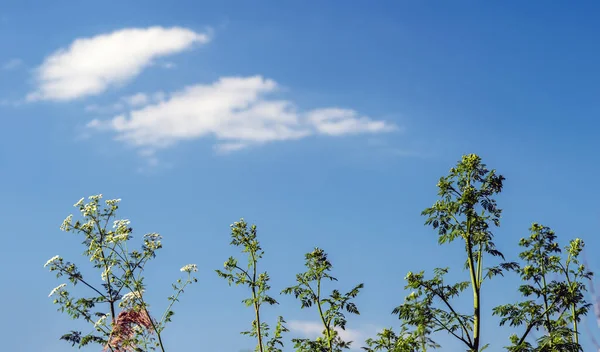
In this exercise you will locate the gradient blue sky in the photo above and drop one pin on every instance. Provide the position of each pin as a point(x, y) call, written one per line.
point(514, 81)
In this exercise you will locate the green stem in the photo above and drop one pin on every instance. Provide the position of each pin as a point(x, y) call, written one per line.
point(83, 282)
point(573, 312)
point(475, 283)
point(325, 324)
point(162, 347)
point(444, 299)
point(449, 330)
point(256, 303)
point(545, 294)
point(533, 323)
point(158, 334)
point(476, 298)
point(575, 332)
point(162, 319)
point(111, 298)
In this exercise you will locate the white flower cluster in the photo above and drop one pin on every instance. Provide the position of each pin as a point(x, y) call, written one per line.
point(105, 273)
point(92, 207)
point(96, 250)
point(152, 236)
point(118, 224)
point(121, 233)
point(129, 299)
point(52, 260)
point(67, 223)
point(87, 226)
point(79, 203)
point(152, 241)
point(237, 223)
point(113, 202)
point(118, 237)
point(189, 268)
point(100, 321)
point(57, 289)
point(132, 295)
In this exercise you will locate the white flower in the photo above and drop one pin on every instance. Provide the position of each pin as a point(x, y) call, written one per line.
point(113, 202)
point(152, 241)
point(152, 237)
point(100, 321)
point(57, 289)
point(88, 226)
point(52, 260)
point(105, 273)
point(189, 268)
point(79, 203)
point(129, 299)
point(89, 209)
point(120, 237)
point(132, 295)
point(121, 223)
point(66, 224)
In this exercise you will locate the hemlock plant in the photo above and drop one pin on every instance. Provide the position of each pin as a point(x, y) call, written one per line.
point(553, 288)
point(113, 302)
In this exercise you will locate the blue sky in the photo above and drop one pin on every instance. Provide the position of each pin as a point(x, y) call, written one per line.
point(325, 123)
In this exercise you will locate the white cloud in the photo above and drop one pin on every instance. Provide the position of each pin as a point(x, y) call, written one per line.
point(89, 66)
point(230, 147)
point(337, 122)
point(98, 109)
point(311, 329)
point(137, 99)
point(237, 112)
point(159, 96)
point(12, 64)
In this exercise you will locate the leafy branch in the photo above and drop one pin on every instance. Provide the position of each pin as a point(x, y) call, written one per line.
point(246, 238)
point(330, 308)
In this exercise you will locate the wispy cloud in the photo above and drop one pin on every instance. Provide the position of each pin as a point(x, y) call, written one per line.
point(12, 64)
point(337, 122)
point(310, 329)
point(89, 66)
point(138, 99)
point(238, 112)
point(104, 109)
point(131, 101)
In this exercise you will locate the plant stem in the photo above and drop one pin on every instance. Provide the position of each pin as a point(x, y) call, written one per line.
point(545, 296)
point(573, 312)
point(325, 324)
point(475, 285)
point(111, 299)
point(162, 322)
point(256, 304)
point(475, 282)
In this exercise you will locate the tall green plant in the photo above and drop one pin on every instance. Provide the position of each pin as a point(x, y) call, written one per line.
point(258, 283)
point(419, 309)
point(466, 211)
point(555, 294)
point(330, 308)
point(115, 305)
point(405, 341)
